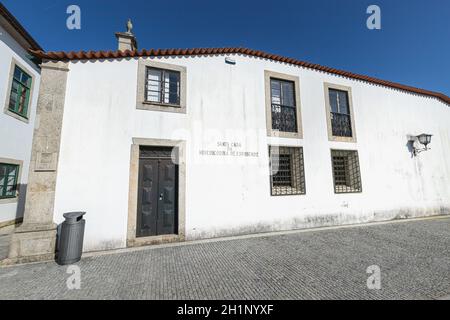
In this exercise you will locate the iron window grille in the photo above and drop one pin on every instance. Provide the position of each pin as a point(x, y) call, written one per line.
point(20, 92)
point(8, 180)
point(341, 123)
point(162, 86)
point(287, 171)
point(346, 172)
point(284, 114)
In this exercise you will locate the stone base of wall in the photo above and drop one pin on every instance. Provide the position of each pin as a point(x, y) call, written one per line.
point(32, 243)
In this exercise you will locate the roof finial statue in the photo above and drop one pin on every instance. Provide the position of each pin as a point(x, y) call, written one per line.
point(129, 26)
point(126, 40)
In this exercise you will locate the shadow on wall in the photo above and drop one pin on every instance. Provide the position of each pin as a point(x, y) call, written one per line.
point(410, 146)
point(21, 201)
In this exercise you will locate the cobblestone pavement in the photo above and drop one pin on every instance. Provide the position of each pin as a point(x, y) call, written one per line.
point(414, 258)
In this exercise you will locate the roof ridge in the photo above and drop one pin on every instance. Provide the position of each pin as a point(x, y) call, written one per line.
point(82, 55)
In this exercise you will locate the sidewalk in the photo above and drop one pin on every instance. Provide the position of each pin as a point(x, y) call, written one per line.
point(413, 257)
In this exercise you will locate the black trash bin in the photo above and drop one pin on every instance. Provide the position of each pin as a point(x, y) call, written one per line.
point(71, 236)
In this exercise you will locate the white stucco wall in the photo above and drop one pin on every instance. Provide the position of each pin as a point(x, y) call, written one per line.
point(15, 136)
point(100, 120)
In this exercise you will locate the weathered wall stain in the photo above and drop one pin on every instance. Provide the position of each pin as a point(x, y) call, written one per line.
point(309, 222)
point(103, 245)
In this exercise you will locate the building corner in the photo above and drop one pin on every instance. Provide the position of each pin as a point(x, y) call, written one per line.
point(35, 239)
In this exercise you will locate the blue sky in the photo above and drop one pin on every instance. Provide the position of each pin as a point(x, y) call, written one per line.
point(413, 46)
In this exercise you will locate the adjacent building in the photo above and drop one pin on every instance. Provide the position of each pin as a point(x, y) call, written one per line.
point(173, 145)
point(19, 87)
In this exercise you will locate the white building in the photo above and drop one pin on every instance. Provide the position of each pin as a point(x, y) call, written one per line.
point(19, 87)
point(120, 118)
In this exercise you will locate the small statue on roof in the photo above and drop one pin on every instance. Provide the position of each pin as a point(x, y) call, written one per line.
point(129, 26)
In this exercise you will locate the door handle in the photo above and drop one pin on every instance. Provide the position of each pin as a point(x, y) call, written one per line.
point(161, 197)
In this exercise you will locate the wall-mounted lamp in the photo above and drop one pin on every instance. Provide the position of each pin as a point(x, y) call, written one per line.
point(424, 139)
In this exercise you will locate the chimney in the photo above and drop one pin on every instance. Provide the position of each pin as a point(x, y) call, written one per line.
point(127, 40)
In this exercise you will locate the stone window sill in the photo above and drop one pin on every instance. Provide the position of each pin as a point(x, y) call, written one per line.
point(17, 116)
point(161, 104)
point(9, 200)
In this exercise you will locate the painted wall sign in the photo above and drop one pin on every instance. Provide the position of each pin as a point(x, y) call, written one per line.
point(225, 148)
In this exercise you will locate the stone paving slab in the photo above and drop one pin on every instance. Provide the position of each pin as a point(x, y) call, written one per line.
point(414, 258)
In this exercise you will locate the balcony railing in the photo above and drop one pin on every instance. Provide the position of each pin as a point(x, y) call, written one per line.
point(284, 118)
point(341, 125)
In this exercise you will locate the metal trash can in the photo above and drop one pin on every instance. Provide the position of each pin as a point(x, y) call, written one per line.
point(71, 238)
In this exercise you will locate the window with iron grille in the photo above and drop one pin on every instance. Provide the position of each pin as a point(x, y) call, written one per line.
point(284, 114)
point(20, 92)
point(163, 86)
point(287, 171)
point(8, 180)
point(341, 122)
point(346, 173)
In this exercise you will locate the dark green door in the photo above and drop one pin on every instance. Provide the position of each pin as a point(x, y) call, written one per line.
point(157, 197)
